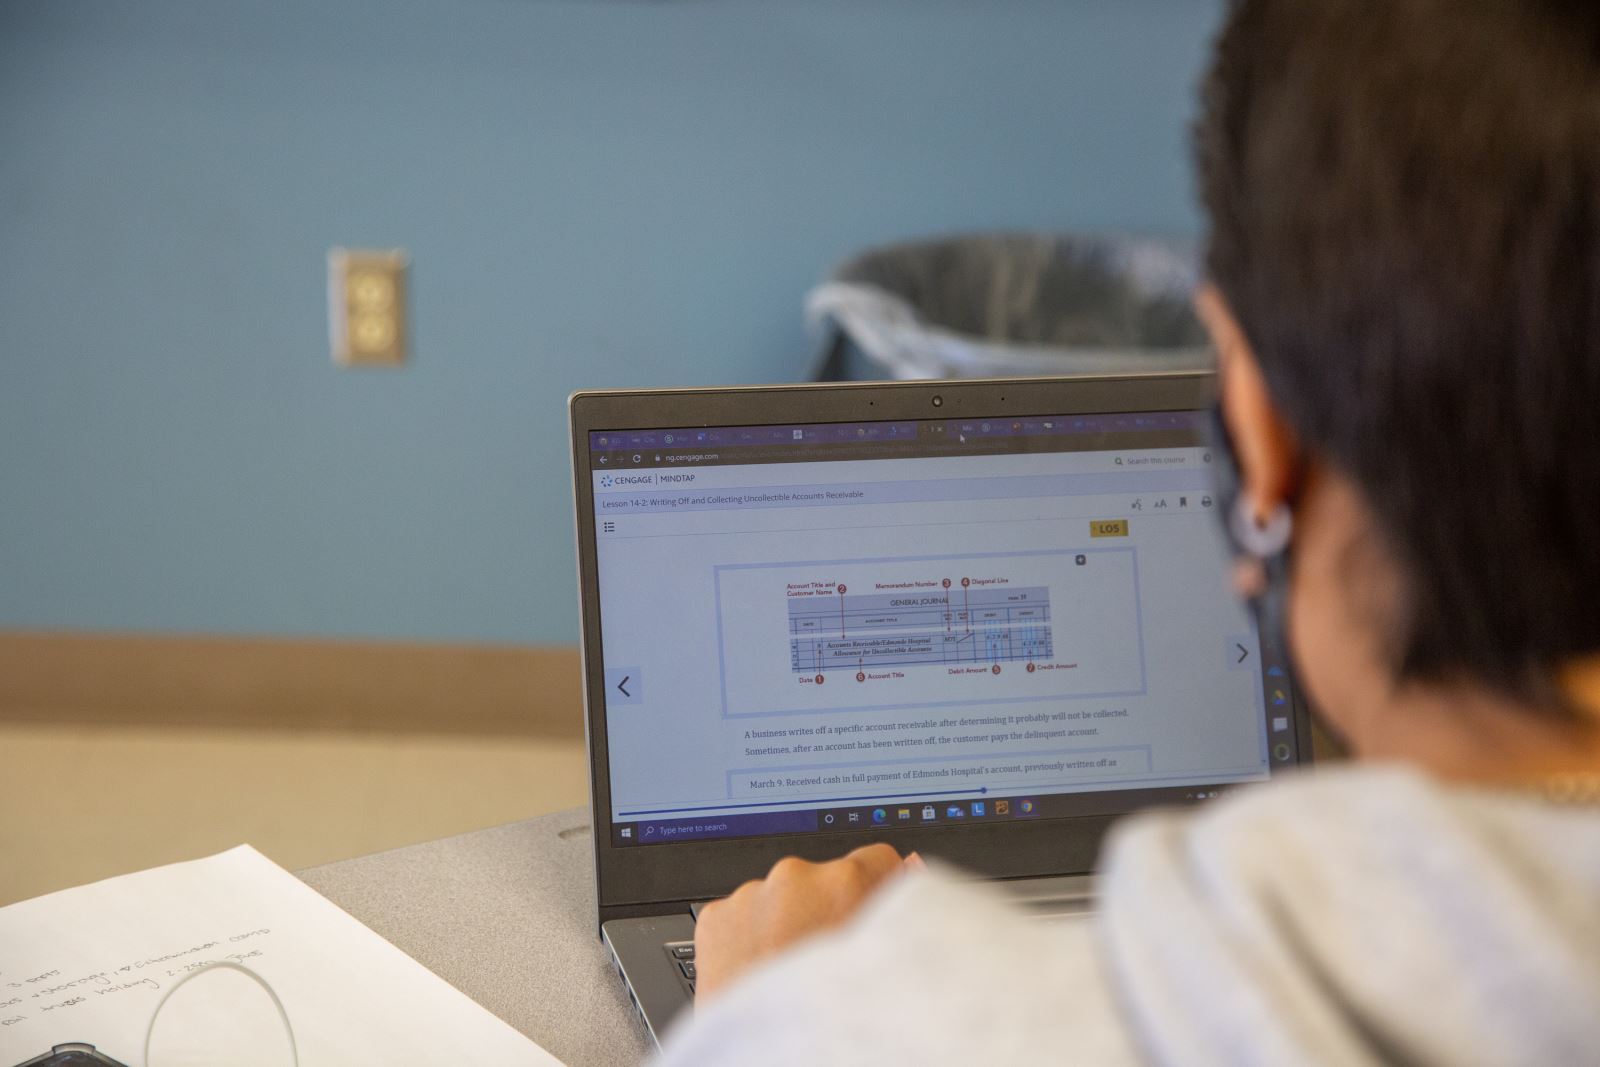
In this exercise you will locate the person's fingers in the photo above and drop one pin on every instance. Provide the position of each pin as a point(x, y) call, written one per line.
point(879, 859)
point(797, 899)
point(719, 917)
point(915, 862)
point(789, 868)
point(866, 868)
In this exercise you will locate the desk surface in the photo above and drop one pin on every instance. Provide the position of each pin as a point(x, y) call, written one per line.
point(506, 916)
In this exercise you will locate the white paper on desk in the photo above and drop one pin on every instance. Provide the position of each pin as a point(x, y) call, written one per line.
point(89, 964)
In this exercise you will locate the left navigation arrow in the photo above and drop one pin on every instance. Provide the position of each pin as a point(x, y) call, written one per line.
point(623, 685)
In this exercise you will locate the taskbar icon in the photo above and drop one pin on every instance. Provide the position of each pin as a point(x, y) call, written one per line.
point(923, 814)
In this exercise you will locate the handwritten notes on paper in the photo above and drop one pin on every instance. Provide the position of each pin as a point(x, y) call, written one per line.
point(39, 993)
point(90, 964)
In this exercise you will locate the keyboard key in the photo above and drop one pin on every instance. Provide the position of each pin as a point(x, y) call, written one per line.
point(687, 966)
point(682, 952)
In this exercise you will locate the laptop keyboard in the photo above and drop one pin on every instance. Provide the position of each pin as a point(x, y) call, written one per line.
point(682, 953)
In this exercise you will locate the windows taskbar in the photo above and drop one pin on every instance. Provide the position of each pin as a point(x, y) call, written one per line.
point(902, 813)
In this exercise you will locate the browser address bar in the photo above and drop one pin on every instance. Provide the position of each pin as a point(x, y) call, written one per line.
point(838, 494)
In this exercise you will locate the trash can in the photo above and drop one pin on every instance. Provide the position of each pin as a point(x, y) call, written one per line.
point(1009, 305)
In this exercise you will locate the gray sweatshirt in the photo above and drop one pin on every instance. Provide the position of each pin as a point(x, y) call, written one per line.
point(1357, 916)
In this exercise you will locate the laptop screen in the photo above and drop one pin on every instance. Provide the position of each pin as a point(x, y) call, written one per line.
point(815, 629)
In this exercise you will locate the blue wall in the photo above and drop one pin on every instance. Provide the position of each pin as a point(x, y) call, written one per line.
point(593, 193)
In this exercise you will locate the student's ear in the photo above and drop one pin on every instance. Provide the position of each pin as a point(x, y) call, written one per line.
point(1267, 451)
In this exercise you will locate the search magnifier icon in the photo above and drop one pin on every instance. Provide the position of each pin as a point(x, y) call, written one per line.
point(1118, 461)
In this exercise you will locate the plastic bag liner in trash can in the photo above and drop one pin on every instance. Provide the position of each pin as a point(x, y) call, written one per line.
point(1007, 305)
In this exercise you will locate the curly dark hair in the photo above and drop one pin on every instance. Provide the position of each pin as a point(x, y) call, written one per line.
point(1404, 203)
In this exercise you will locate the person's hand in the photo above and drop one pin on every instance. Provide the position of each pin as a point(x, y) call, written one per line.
point(796, 899)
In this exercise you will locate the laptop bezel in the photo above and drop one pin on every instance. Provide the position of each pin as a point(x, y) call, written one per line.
point(645, 880)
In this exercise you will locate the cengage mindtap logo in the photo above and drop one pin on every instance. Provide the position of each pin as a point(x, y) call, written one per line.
point(605, 481)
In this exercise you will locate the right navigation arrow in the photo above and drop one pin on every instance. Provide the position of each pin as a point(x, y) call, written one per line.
point(1244, 653)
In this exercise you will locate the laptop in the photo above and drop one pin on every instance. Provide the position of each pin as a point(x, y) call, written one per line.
point(980, 620)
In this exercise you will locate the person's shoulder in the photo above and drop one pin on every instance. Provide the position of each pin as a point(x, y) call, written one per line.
point(1354, 853)
point(1351, 818)
point(1353, 905)
point(1341, 793)
point(1261, 841)
point(1322, 827)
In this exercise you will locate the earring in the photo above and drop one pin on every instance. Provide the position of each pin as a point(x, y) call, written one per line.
point(1261, 540)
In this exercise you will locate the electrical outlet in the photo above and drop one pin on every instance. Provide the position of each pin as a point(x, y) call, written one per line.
point(367, 306)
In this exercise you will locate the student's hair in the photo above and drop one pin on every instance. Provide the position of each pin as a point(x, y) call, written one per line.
point(1404, 202)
